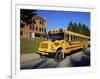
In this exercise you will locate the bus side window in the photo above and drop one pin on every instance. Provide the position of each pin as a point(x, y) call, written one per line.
point(79, 38)
point(72, 38)
point(75, 38)
point(66, 37)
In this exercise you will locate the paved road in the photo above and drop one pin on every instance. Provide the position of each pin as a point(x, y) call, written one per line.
point(34, 61)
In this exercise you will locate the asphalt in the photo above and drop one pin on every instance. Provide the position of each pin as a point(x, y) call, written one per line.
point(80, 58)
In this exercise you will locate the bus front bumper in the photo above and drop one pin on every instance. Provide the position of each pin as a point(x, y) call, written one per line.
point(42, 53)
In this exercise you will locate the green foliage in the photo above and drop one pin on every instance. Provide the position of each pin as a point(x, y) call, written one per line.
point(29, 45)
point(79, 28)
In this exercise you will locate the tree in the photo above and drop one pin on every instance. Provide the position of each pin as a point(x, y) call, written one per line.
point(70, 26)
point(26, 15)
point(75, 27)
point(79, 28)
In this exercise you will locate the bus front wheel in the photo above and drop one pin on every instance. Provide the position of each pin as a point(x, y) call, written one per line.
point(59, 56)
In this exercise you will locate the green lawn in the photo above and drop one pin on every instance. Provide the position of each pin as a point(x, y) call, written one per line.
point(29, 45)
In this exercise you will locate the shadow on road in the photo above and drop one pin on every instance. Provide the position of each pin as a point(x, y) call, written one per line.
point(79, 58)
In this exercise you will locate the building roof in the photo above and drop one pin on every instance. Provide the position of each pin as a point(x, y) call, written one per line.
point(39, 17)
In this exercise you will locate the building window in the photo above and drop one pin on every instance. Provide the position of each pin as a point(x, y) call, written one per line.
point(34, 21)
point(22, 25)
point(40, 29)
point(37, 34)
point(44, 29)
point(33, 27)
point(21, 32)
point(40, 21)
point(36, 28)
point(30, 26)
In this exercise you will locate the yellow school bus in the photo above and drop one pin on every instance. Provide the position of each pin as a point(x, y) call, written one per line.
point(61, 42)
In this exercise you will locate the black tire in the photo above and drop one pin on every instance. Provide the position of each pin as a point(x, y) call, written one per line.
point(59, 56)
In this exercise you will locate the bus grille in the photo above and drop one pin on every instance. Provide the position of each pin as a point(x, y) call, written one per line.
point(44, 45)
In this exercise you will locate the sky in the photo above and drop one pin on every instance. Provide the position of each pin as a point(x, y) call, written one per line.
point(61, 19)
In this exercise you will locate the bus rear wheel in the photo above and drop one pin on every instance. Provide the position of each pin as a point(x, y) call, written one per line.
point(59, 56)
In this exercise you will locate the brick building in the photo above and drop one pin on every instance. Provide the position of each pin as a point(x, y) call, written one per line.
point(35, 29)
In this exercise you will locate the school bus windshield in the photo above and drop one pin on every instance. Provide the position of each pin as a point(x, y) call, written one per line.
point(56, 36)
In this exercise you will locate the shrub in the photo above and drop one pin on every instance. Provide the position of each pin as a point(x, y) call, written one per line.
point(29, 45)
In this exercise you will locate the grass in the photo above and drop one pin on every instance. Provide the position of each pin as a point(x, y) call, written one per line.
point(29, 45)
